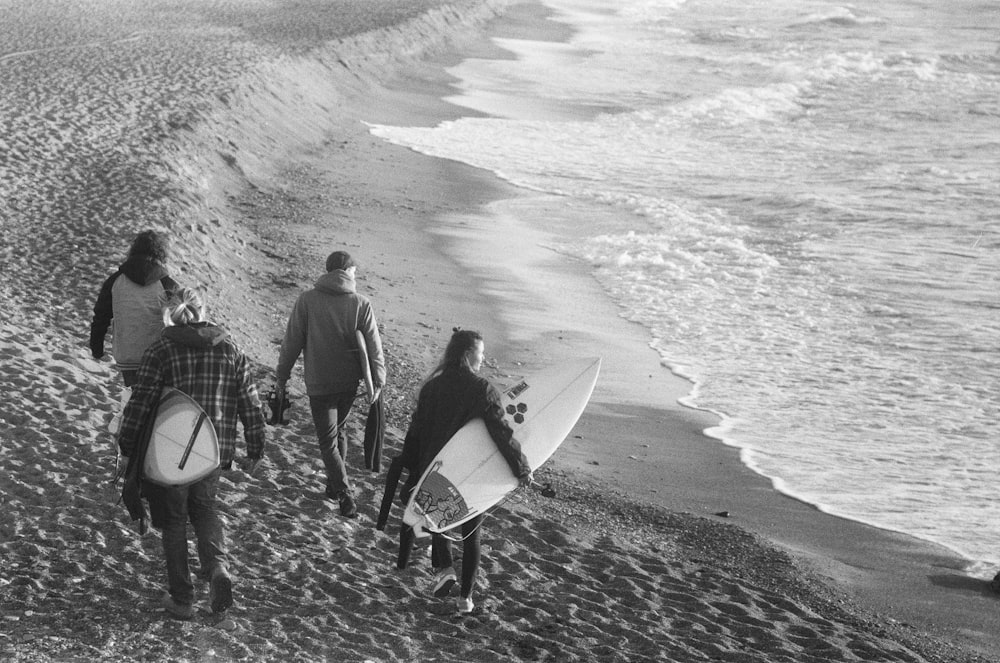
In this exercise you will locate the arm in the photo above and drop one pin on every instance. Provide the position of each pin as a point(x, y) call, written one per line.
point(103, 312)
point(249, 409)
point(503, 436)
point(293, 343)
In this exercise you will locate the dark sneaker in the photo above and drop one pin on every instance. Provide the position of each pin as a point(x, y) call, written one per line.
point(177, 610)
point(443, 582)
point(348, 508)
point(220, 591)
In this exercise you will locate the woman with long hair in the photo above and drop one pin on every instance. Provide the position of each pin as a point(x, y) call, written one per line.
point(452, 396)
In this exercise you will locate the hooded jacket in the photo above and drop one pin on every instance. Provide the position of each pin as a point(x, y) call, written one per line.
point(322, 328)
point(132, 308)
point(200, 360)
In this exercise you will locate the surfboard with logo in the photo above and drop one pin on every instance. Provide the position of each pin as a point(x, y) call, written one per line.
point(183, 447)
point(469, 475)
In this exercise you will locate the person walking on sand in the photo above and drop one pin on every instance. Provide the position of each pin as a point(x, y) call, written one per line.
point(322, 327)
point(199, 359)
point(130, 303)
point(451, 397)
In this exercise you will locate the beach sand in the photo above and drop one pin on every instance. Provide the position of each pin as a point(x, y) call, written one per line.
point(241, 133)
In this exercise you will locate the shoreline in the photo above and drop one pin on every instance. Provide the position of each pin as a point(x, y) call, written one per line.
point(914, 581)
point(602, 571)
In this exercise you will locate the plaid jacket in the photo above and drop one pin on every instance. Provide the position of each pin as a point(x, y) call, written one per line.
point(201, 361)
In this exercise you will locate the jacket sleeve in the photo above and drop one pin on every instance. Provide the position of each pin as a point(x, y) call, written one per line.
point(249, 409)
point(103, 312)
point(294, 341)
point(503, 435)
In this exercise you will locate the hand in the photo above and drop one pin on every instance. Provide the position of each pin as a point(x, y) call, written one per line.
point(526, 480)
point(378, 392)
point(121, 467)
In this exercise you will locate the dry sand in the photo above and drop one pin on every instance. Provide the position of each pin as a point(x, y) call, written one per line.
point(238, 130)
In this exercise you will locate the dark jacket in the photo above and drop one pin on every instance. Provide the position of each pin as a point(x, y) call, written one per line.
point(447, 402)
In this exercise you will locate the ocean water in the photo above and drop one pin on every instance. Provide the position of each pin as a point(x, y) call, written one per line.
point(800, 200)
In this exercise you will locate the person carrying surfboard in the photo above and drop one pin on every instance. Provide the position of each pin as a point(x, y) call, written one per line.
point(451, 397)
point(323, 327)
point(199, 359)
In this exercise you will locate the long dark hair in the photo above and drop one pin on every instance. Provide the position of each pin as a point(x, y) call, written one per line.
point(150, 243)
point(462, 342)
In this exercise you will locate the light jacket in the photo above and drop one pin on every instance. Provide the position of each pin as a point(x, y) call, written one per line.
point(322, 328)
point(132, 308)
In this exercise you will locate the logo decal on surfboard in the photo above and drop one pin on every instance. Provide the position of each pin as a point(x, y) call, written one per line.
point(439, 500)
point(516, 411)
point(517, 389)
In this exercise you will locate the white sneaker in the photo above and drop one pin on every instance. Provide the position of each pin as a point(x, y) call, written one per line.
point(444, 581)
point(465, 605)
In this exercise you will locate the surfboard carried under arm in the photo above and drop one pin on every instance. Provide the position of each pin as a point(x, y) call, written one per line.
point(470, 475)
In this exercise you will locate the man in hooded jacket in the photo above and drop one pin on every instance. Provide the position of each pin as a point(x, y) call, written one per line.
point(322, 328)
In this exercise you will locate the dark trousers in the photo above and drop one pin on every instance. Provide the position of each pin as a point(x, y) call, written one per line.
point(170, 508)
point(441, 556)
point(329, 414)
point(130, 377)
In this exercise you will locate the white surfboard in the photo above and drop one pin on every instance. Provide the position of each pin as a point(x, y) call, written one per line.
point(183, 447)
point(469, 475)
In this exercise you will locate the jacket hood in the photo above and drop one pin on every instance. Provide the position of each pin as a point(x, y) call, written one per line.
point(196, 335)
point(143, 270)
point(337, 282)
